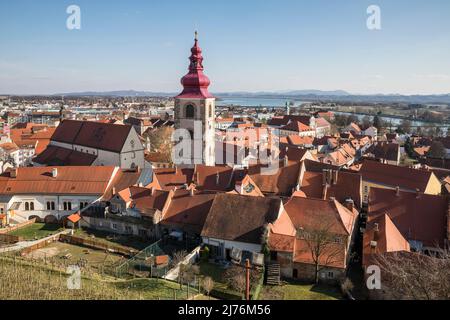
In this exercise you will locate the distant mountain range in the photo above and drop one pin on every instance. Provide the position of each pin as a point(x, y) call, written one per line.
point(302, 95)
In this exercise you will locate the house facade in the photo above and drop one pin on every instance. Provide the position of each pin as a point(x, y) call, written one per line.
point(51, 193)
point(93, 143)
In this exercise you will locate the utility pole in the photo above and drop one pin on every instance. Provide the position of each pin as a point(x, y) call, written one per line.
point(247, 279)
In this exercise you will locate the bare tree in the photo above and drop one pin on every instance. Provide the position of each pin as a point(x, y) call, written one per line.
point(414, 276)
point(177, 259)
point(437, 150)
point(208, 285)
point(321, 241)
point(161, 142)
point(235, 277)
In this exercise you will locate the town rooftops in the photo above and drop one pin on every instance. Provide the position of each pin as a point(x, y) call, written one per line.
point(240, 218)
point(104, 136)
point(56, 180)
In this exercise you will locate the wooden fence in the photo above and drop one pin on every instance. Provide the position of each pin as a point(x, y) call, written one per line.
point(9, 239)
point(41, 244)
point(17, 227)
point(95, 244)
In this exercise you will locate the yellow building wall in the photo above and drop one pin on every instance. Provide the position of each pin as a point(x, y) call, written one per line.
point(434, 185)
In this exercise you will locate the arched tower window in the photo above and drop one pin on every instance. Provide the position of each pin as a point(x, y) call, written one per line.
point(190, 111)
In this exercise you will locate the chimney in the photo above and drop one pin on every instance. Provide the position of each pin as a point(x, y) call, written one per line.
point(217, 178)
point(324, 177)
point(286, 161)
point(376, 231)
point(417, 194)
point(325, 192)
point(397, 191)
point(335, 176)
point(114, 191)
point(153, 191)
point(54, 172)
point(350, 204)
point(191, 192)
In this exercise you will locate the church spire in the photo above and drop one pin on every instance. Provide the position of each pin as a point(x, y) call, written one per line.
point(195, 83)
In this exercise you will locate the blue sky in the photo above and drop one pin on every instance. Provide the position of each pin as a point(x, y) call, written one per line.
point(249, 45)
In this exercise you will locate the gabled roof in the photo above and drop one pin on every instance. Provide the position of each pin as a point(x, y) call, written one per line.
point(122, 180)
point(417, 216)
point(172, 178)
point(54, 155)
point(69, 180)
point(104, 136)
point(240, 218)
point(303, 212)
point(213, 178)
point(390, 175)
point(321, 123)
point(281, 182)
point(348, 185)
point(187, 211)
point(299, 141)
point(384, 150)
point(296, 126)
point(388, 238)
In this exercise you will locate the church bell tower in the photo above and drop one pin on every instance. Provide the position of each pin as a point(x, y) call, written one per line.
point(195, 109)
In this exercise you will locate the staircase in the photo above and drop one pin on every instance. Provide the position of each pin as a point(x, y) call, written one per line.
point(273, 274)
point(17, 219)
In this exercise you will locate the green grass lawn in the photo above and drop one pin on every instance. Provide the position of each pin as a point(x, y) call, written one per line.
point(297, 291)
point(36, 231)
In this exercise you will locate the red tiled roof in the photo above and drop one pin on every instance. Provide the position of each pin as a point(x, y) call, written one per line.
point(213, 178)
point(418, 217)
point(296, 126)
point(348, 185)
point(240, 218)
point(74, 218)
point(105, 136)
point(388, 238)
point(394, 176)
point(54, 155)
point(171, 178)
point(69, 180)
point(161, 260)
point(303, 212)
point(281, 182)
point(188, 211)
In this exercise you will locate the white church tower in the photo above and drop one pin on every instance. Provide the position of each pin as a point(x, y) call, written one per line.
point(195, 110)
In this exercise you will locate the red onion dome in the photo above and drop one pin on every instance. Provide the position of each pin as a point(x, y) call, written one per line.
point(195, 83)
